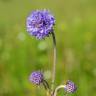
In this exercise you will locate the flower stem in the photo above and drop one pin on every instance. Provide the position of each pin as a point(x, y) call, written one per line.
point(54, 61)
point(57, 89)
point(46, 86)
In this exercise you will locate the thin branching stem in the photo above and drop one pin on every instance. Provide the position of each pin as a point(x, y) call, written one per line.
point(46, 86)
point(57, 89)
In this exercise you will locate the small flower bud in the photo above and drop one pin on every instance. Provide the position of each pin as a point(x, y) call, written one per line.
point(36, 77)
point(70, 87)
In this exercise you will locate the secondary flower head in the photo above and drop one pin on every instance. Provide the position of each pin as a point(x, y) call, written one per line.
point(36, 77)
point(40, 23)
point(70, 87)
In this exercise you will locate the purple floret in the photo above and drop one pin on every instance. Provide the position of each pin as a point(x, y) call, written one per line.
point(36, 77)
point(40, 23)
point(70, 87)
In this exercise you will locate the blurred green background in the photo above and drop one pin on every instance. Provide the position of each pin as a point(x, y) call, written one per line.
point(20, 53)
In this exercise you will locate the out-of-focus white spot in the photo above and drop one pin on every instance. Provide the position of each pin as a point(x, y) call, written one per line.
point(47, 74)
point(21, 36)
point(42, 45)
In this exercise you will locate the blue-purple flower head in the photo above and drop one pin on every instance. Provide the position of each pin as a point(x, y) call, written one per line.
point(40, 23)
point(70, 87)
point(36, 77)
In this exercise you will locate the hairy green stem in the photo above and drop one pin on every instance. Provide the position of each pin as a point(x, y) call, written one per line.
point(57, 89)
point(54, 61)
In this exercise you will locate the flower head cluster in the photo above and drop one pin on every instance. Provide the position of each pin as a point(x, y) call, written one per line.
point(36, 77)
point(70, 87)
point(40, 23)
